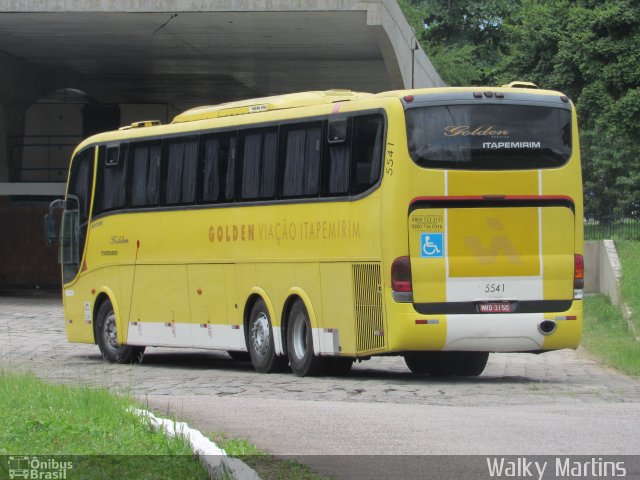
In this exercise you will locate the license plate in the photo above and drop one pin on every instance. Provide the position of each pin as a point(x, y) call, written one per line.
point(497, 307)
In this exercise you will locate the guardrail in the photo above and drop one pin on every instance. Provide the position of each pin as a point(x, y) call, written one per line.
point(616, 228)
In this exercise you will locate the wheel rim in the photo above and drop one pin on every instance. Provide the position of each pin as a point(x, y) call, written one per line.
point(300, 336)
point(260, 335)
point(110, 333)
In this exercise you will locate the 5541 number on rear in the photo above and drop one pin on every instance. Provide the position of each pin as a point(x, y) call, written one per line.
point(494, 288)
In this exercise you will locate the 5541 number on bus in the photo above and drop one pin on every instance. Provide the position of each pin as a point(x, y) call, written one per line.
point(493, 287)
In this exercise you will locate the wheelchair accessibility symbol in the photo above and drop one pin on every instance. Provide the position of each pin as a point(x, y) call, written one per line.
point(432, 245)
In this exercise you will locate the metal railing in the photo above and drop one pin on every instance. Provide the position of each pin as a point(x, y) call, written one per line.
point(615, 228)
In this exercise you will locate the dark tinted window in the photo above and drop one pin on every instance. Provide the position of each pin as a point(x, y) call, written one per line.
point(366, 160)
point(112, 167)
point(80, 181)
point(217, 166)
point(337, 159)
point(301, 160)
point(259, 159)
point(180, 178)
point(489, 137)
point(145, 174)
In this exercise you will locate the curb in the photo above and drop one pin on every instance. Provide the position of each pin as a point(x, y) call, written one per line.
point(214, 459)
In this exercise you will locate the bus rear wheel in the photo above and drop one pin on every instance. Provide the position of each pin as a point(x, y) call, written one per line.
point(303, 360)
point(261, 348)
point(338, 366)
point(440, 364)
point(239, 356)
point(107, 338)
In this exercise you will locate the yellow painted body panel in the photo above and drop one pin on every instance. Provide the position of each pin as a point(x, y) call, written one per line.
point(207, 294)
point(429, 275)
point(508, 182)
point(484, 242)
point(200, 265)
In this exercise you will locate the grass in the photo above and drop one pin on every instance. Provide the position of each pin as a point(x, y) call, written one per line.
point(606, 333)
point(266, 465)
point(607, 336)
point(629, 253)
point(39, 419)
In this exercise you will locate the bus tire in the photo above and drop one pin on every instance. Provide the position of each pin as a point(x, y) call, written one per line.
point(471, 364)
point(261, 348)
point(239, 356)
point(302, 358)
point(339, 366)
point(106, 338)
point(441, 364)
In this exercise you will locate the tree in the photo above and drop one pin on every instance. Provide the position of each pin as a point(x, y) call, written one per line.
point(589, 49)
point(463, 38)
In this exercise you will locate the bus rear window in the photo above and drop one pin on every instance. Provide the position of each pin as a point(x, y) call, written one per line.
point(489, 136)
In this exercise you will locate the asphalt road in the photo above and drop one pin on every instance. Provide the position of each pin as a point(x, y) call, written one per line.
point(559, 403)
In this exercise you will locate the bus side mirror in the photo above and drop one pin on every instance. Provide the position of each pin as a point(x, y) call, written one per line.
point(50, 230)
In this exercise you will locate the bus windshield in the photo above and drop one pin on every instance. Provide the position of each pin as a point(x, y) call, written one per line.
point(489, 137)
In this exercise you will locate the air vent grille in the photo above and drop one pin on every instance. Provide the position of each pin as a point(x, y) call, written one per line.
point(367, 296)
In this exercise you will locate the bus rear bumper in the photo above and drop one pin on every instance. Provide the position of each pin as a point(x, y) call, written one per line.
point(410, 331)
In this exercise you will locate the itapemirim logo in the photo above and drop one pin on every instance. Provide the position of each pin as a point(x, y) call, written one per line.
point(34, 468)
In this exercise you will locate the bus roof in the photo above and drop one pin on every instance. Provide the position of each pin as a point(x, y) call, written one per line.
point(287, 101)
point(256, 105)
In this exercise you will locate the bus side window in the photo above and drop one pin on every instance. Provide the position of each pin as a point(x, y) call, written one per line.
point(76, 217)
point(217, 165)
point(80, 181)
point(335, 171)
point(301, 160)
point(180, 178)
point(258, 164)
point(231, 171)
point(366, 160)
point(145, 174)
point(111, 180)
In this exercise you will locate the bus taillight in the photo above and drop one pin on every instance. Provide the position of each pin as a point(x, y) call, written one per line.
point(401, 280)
point(578, 276)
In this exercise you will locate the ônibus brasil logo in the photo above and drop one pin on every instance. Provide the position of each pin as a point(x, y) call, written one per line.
point(33, 468)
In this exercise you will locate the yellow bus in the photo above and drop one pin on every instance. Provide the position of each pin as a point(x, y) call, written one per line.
point(320, 228)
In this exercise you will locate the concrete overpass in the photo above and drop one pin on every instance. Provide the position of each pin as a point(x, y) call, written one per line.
point(72, 68)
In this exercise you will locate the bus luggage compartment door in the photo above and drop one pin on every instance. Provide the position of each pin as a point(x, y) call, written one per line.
point(491, 259)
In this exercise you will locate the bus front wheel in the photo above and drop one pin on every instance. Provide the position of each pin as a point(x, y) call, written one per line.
point(261, 348)
point(300, 343)
point(107, 338)
point(440, 364)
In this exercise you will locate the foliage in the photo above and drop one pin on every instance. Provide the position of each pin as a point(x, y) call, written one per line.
point(462, 38)
point(589, 49)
